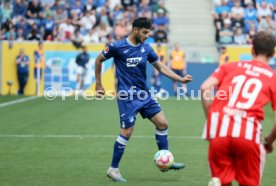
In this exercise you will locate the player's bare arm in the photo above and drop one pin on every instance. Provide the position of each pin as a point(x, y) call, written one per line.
point(169, 73)
point(206, 98)
point(271, 137)
point(98, 69)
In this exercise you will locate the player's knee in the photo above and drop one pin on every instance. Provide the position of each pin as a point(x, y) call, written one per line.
point(127, 132)
point(163, 125)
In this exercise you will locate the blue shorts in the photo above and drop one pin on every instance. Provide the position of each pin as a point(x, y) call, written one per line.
point(128, 109)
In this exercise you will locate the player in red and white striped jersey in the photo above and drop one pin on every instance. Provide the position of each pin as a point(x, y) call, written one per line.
point(234, 117)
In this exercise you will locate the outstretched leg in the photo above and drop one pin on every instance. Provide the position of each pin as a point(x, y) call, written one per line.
point(161, 135)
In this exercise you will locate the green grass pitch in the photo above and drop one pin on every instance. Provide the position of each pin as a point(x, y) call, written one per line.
point(56, 143)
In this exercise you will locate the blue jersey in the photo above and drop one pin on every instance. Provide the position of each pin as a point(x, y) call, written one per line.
point(131, 63)
point(22, 66)
point(82, 59)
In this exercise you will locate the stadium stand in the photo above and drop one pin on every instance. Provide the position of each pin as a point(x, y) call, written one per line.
point(236, 21)
point(93, 21)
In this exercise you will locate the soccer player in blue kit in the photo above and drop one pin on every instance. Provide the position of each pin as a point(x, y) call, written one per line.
point(131, 55)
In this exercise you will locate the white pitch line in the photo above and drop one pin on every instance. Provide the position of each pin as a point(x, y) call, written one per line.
point(17, 101)
point(85, 136)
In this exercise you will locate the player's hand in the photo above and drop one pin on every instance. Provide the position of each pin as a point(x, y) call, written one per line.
point(268, 146)
point(186, 79)
point(99, 90)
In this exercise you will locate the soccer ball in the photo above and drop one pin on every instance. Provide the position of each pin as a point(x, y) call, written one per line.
point(163, 159)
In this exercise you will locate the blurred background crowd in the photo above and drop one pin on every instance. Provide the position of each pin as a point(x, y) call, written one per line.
point(237, 21)
point(79, 21)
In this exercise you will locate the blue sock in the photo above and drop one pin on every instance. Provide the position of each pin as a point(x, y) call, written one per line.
point(161, 137)
point(119, 148)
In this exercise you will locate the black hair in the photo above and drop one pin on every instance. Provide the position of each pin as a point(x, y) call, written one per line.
point(142, 22)
point(264, 43)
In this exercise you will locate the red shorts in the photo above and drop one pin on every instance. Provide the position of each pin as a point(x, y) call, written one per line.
point(234, 158)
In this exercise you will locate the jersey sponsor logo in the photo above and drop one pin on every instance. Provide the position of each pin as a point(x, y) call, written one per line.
point(133, 62)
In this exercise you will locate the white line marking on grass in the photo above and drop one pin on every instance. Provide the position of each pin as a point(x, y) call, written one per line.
point(17, 101)
point(85, 136)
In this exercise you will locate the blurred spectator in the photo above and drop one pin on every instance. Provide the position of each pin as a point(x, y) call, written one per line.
point(87, 22)
point(89, 6)
point(47, 3)
point(103, 31)
point(3, 35)
point(178, 64)
point(91, 36)
point(6, 13)
point(239, 37)
point(231, 3)
point(66, 30)
point(77, 39)
point(272, 25)
point(160, 35)
point(237, 22)
point(57, 5)
point(144, 7)
point(77, 8)
point(127, 3)
point(263, 10)
point(34, 34)
point(161, 19)
point(221, 8)
point(70, 3)
point(237, 10)
point(117, 13)
point(34, 10)
point(24, 25)
point(22, 64)
point(39, 65)
point(81, 60)
point(224, 57)
point(48, 25)
point(160, 5)
point(251, 34)
point(105, 17)
point(114, 3)
point(19, 35)
point(100, 3)
point(226, 34)
point(19, 9)
point(259, 3)
point(218, 21)
point(157, 77)
point(60, 15)
point(6, 26)
point(263, 25)
point(11, 34)
point(250, 15)
point(75, 19)
point(47, 11)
